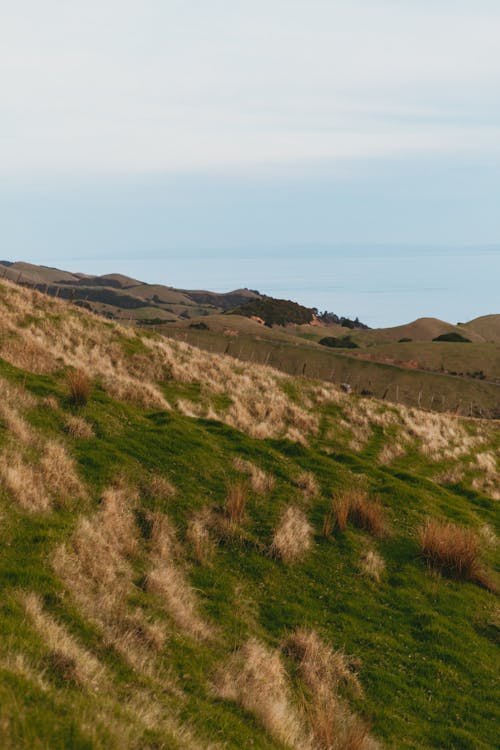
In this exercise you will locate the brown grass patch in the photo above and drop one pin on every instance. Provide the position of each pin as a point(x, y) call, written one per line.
point(198, 535)
point(326, 673)
point(293, 536)
point(96, 566)
point(16, 424)
point(78, 427)
point(79, 387)
point(70, 660)
point(167, 580)
point(367, 514)
point(158, 487)
point(452, 550)
point(255, 677)
point(356, 506)
point(372, 565)
point(261, 482)
point(236, 501)
point(24, 482)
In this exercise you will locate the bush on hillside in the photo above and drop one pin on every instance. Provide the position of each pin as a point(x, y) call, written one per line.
point(344, 342)
point(453, 336)
point(275, 311)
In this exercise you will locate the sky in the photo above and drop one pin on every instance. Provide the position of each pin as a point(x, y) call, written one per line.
point(342, 153)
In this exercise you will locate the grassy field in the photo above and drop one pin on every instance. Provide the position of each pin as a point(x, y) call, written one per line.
point(200, 553)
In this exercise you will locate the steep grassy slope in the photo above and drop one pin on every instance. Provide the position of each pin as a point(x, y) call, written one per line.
point(175, 567)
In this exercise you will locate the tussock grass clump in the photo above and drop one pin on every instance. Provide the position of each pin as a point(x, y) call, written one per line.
point(260, 481)
point(452, 550)
point(292, 538)
point(356, 507)
point(236, 501)
point(322, 669)
point(372, 565)
point(158, 487)
point(326, 673)
point(16, 424)
point(79, 387)
point(255, 677)
point(367, 514)
point(78, 427)
point(68, 659)
point(167, 580)
point(24, 482)
point(198, 535)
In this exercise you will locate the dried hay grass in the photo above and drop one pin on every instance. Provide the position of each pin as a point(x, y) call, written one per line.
point(68, 657)
point(372, 565)
point(78, 427)
point(167, 580)
point(453, 550)
point(198, 535)
point(260, 481)
point(293, 536)
point(356, 506)
point(255, 677)
point(236, 502)
point(325, 672)
point(96, 568)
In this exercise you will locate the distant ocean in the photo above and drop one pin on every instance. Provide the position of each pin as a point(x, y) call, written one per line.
point(383, 286)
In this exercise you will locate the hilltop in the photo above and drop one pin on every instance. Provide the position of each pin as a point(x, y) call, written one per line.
point(197, 552)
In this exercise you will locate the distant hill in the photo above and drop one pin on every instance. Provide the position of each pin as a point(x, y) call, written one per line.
point(121, 297)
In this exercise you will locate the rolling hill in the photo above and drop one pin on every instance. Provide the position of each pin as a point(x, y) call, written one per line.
point(200, 553)
point(403, 364)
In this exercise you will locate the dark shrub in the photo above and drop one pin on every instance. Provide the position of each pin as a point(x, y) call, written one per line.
point(453, 336)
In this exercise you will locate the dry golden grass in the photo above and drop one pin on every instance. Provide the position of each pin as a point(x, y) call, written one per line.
point(18, 664)
point(96, 567)
point(325, 672)
point(79, 387)
point(260, 481)
point(356, 506)
point(24, 482)
point(293, 536)
point(488, 481)
point(254, 677)
point(340, 508)
point(372, 565)
point(59, 473)
point(452, 550)
point(236, 502)
point(198, 535)
point(26, 354)
point(158, 487)
point(17, 425)
point(68, 658)
point(367, 514)
point(323, 669)
point(167, 580)
point(78, 427)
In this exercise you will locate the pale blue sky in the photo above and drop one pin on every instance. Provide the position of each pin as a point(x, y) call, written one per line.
point(231, 143)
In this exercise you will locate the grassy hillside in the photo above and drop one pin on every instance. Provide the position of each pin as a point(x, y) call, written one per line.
point(201, 553)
